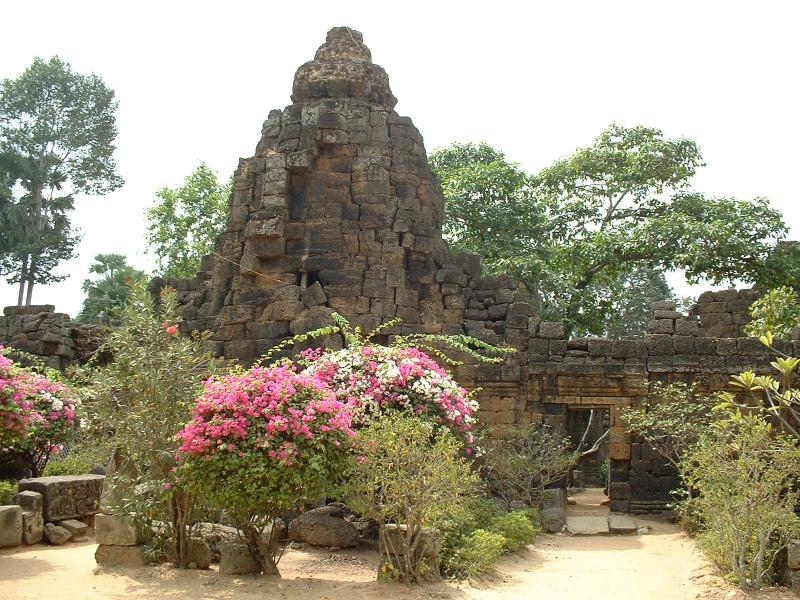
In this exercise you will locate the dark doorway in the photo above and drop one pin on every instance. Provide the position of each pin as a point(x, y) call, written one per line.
point(587, 428)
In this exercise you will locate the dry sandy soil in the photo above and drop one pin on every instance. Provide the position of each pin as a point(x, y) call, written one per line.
point(662, 565)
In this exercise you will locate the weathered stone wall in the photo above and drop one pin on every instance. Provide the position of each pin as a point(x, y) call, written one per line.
point(338, 210)
point(51, 336)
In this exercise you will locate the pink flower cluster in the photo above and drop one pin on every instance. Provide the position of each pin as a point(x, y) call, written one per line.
point(34, 411)
point(371, 379)
point(275, 411)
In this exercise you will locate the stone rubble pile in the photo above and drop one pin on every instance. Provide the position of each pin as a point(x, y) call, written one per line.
point(53, 509)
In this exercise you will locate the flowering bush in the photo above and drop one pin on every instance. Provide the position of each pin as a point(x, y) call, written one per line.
point(14, 407)
point(53, 408)
point(262, 441)
point(37, 414)
point(374, 379)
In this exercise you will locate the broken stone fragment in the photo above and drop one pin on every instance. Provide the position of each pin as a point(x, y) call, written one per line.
point(32, 527)
point(10, 525)
point(116, 531)
point(77, 529)
point(236, 559)
point(55, 534)
point(120, 556)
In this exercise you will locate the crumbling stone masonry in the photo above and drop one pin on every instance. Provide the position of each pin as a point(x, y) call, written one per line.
point(51, 336)
point(338, 210)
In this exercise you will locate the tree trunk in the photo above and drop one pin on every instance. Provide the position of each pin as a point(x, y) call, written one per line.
point(29, 295)
point(23, 278)
point(263, 551)
point(39, 197)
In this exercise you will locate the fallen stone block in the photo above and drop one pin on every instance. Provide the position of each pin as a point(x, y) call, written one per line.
point(66, 496)
point(793, 554)
point(621, 524)
point(427, 552)
point(120, 556)
point(554, 519)
point(199, 555)
point(29, 500)
point(56, 535)
point(10, 526)
point(32, 527)
point(77, 529)
point(587, 525)
point(317, 528)
point(236, 559)
point(115, 531)
point(214, 535)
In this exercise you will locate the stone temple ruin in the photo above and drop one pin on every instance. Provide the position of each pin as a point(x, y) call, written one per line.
point(338, 210)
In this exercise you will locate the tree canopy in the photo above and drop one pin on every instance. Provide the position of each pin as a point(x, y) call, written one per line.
point(57, 131)
point(184, 223)
point(576, 231)
point(108, 291)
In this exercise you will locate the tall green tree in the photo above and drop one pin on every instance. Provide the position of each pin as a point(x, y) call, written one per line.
point(186, 220)
point(59, 126)
point(108, 291)
point(582, 226)
point(631, 299)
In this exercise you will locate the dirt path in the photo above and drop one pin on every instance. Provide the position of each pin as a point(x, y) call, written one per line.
point(662, 565)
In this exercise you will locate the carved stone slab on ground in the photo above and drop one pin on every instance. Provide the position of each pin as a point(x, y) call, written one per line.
point(66, 496)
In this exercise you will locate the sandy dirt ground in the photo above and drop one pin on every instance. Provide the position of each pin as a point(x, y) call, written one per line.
point(662, 565)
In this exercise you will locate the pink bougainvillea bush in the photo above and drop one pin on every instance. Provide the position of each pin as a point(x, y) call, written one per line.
point(262, 442)
point(37, 414)
point(374, 379)
point(14, 407)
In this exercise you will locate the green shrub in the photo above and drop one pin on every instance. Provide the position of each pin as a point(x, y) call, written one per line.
point(7, 491)
point(746, 477)
point(79, 460)
point(411, 473)
point(517, 529)
point(519, 466)
point(477, 554)
point(145, 397)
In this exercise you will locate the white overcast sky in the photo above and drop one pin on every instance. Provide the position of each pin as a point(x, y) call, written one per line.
point(195, 80)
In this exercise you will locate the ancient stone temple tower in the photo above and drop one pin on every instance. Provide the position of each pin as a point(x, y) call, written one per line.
point(337, 211)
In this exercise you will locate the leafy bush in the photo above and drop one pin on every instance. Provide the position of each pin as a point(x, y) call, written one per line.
point(7, 491)
point(80, 459)
point(478, 553)
point(517, 529)
point(521, 464)
point(776, 312)
point(408, 472)
point(672, 420)
point(144, 397)
point(260, 443)
point(747, 480)
point(514, 530)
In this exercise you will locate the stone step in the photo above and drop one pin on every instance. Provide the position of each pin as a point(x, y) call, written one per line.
point(587, 525)
point(616, 524)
